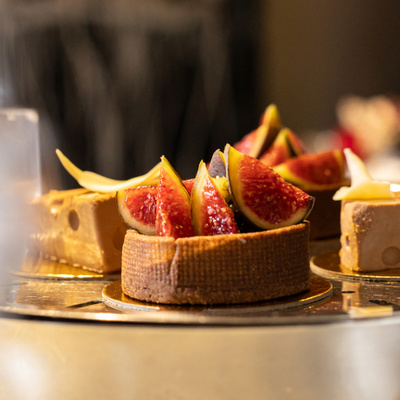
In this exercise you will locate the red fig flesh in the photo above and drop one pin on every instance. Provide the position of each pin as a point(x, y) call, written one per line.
point(263, 196)
point(211, 215)
point(189, 184)
point(313, 169)
point(137, 207)
point(173, 216)
point(245, 144)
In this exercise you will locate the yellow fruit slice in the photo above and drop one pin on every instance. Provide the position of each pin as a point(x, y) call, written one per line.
point(222, 185)
point(363, 187)
point(97, 183)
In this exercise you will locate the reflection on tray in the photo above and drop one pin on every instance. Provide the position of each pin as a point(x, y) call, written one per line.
point(328, 266)
point(35, 266)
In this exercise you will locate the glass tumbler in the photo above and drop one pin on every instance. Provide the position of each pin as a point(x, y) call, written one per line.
point(20, 182)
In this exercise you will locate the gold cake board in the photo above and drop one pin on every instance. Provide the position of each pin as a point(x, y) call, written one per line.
point(320, 289)
point(328, 265)
point(37, 267)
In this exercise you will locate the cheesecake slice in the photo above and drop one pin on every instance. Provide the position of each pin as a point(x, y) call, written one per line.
point(370, 239)
point(78, 227)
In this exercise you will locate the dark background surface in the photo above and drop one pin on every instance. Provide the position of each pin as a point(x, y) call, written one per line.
point(119, 84)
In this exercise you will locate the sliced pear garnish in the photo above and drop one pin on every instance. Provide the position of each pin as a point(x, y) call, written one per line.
point(363, 186)
point(98, 183)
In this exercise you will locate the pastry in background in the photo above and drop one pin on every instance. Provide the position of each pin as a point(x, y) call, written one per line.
point(78, 227)
point(370, 215)
point(318, 174)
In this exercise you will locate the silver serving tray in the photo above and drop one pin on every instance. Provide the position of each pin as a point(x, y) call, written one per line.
point(47, 289)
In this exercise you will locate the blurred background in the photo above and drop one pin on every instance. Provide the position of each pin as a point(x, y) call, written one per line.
point(117, 84)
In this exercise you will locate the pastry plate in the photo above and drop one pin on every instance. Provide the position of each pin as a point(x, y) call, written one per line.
point(101, 301)
point(320, 289)
point(60, 293)
point(37, 267)
point(328, 266)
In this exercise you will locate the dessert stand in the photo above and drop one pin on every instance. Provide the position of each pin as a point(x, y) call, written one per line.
point(59, 291)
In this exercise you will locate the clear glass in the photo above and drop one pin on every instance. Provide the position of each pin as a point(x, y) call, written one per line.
point(20, 182)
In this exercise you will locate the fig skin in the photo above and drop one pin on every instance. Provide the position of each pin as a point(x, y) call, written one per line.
point(314, 169)
point(217, 166)
point(173, 216)
point(211, 214)
point(262, 196)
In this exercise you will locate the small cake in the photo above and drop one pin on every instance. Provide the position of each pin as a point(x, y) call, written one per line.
point(222, 269)
point(370, 212)
point(370, 238)
point(199, 256)
point(79, 227)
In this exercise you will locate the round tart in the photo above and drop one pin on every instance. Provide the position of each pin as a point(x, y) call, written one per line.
point(223, 269)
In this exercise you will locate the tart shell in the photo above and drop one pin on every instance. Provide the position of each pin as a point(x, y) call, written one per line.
point(224, 269)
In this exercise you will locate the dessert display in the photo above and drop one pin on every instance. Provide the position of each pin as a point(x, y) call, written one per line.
point(78, 227)
point(237, 238)
point(319, 175)
point(370, 212)
point(238, 232)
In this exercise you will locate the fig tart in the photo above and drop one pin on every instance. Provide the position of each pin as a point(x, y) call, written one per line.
point(198, 255)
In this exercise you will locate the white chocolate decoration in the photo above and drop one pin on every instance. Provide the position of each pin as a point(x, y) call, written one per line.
point(363, 186)
point(97, 183)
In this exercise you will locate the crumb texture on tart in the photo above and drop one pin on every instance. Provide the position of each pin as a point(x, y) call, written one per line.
point(225, 269)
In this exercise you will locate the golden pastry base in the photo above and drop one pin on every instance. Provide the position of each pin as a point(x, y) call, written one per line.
point(37, 267)
point(320, 289)
point(328, 266)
